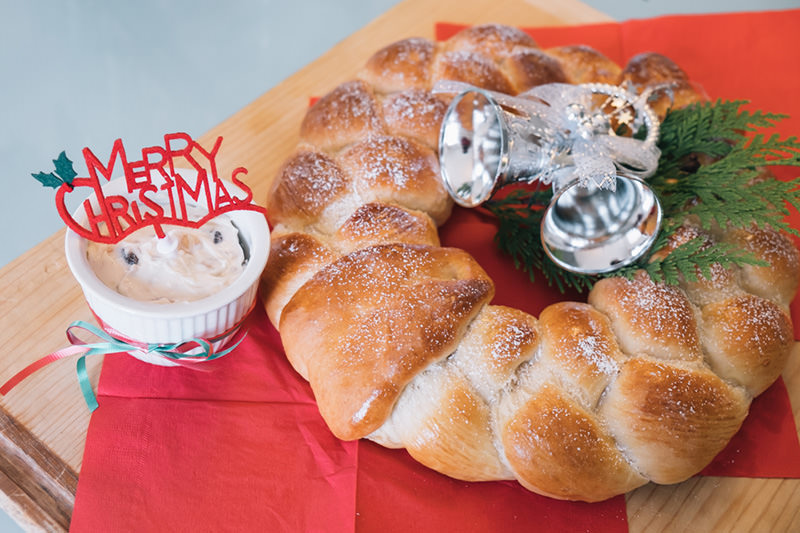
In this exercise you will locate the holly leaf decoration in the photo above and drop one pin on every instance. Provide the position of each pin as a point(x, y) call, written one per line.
point(64, 168)
point(48, 179)
point(64, 173)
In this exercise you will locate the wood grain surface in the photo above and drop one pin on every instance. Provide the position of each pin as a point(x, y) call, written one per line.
point(43, 421)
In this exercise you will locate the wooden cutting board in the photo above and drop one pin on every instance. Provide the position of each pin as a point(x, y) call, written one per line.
point(43, 422)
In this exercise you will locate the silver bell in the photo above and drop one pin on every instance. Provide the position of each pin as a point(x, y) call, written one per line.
point(602, 215)
point(483, 147)
point(589, 230)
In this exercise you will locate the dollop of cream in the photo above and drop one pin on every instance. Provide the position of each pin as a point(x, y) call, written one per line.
point(187, 264)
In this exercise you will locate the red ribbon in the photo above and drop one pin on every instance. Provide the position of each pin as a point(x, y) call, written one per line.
point(41, 363)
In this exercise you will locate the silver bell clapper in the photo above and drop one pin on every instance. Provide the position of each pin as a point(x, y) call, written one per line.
point(602, 215)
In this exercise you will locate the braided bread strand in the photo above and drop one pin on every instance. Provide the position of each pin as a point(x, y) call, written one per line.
point(399, 340)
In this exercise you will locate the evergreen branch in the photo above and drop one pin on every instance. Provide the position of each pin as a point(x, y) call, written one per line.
point(709, 128)
point(692, 261)
point(711, 168)
point(519, 217)
point(731, 191)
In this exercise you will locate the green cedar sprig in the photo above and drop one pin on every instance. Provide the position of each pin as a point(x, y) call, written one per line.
point(691, 260)
point(708, 128)
point(710, 168)
point(728, 189)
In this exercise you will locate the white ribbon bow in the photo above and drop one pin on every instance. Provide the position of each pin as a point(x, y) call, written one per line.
point(576, 130)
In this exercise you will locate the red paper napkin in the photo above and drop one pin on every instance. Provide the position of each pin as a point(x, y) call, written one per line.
point(240, 446)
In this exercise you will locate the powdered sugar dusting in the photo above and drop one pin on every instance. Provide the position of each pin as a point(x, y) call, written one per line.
point(773, 247)
point(471, 67)
point(392, 310)
point(494, 39)
point(377, 317)
point(416, 106)
point(720, 276)
point(393, 162)
point(377, 275)
point(510, 342)
point(350, 102)
point(682, 402)
point(307, 183)
point(580, 340)
point(595, 350)
point(401, 65)
point(415, 112)
point(756, 324)
point(381, 223)
point(349, 109)
point(660, 314)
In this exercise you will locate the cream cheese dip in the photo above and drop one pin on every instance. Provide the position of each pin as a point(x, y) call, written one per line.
point(187, 264)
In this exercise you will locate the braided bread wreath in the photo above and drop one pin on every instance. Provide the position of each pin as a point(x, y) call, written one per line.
point(401, 345)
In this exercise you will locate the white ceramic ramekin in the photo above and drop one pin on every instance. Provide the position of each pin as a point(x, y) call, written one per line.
point(153, 323)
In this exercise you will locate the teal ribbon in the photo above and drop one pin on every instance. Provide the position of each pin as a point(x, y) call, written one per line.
point(113, 345)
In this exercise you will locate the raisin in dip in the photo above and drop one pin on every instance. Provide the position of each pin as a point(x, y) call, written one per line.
point(187, 264)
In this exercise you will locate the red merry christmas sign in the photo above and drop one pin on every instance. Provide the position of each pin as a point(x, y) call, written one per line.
point(158, 191)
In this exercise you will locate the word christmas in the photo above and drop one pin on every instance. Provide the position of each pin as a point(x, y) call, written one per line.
point(158, 188)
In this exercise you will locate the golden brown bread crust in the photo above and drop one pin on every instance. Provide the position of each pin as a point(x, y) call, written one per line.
point(557, 448)
point(471, 67)
point(778, 281)
point(396, 170)
point(490, 40)
point(582, 64)
point(399, 341)
point(295, 198)
point(414, 113)
point(580, 349)
point(401, 65)
point(671, 419)
point(348, 113)
point(294, 258)
point(649, 318)
point(446, 426)
point(393, 310)
point(747, 340)
point(377, 223)
point(497, 343)
point(528, 68)
point(651, 69)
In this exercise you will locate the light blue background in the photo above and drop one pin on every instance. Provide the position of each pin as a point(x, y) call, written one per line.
point(83, 73)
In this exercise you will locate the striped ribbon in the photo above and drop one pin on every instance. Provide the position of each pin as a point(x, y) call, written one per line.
point(186, 353)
